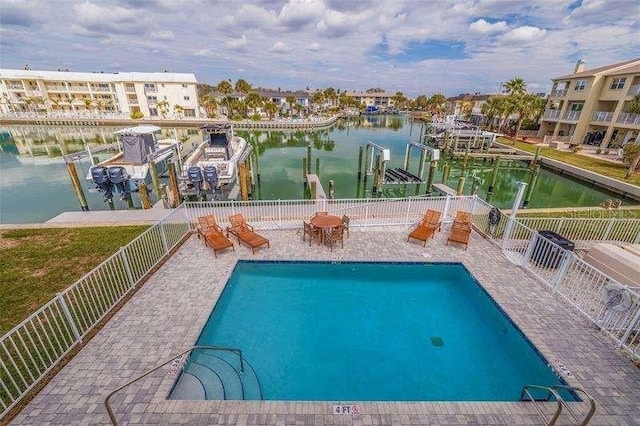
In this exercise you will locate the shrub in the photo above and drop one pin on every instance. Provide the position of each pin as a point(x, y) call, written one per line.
point(136, 115)
point(629, 152)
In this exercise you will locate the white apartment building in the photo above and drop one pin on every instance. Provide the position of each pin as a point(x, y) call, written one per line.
point(589, 106)
point(382, 100)
point(158, 94)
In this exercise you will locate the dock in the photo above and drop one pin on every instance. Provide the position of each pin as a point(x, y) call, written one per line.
point(443, 189)
point(400, 176)
point(492, 156)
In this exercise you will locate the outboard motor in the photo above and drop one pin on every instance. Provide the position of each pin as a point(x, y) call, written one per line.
point(100, 176)
point(119, 177)
point(211, 177)
point(195, 177)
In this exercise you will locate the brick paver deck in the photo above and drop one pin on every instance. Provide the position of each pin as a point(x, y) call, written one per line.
point(166, 316)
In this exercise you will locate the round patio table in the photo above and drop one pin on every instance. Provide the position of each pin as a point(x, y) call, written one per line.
point(325, 223)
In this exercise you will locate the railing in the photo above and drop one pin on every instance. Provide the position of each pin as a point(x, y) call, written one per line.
point(611, 306)
point(572, 115)
point(602, 116)
point(552, 114)
point(107, 402)
point(627, 118)
point(563, 139)
point(634, 90)
point(553, 395)
point(559, 93)
point(34, 347)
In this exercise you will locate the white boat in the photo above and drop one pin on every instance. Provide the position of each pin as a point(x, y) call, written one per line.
point(215, 160)
point(140, 146)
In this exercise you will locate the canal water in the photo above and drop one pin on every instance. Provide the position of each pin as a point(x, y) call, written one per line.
point(35, 185)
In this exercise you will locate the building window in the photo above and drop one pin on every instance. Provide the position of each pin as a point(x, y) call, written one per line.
point(189, 112)
point(150, 87)
point(618, 83)
point(186, 98)
point(580, 85)
point(152, 99)
point(184, 85)
point(153, 112)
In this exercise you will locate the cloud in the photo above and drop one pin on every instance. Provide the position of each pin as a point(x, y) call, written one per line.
point(106, 21)
point(524, 35)
point(19, 13)
point(484, 28)
point(280, 47)
point(163, 35)
point(237, 44)
point(298, 14)
point(313, 47)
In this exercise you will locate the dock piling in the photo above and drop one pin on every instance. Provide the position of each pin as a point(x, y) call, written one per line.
point(175, 191)
point(445, 173)
point(144, 196)
point(155, 179)
point(77, 186)
point(460, 188)
point(432, 172)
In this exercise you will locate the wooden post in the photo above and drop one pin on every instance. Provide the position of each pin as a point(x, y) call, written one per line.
point(77, 186)
point(421, 164)
point(304, 171)
point(309, 159)
point(130, 201)
point(474, 185)
point(494, 175)
point(155, 179)
point(312, 188)
point(244, 193)
point(318, 167)
point(359, 163)
point(460, 189)
point(144, 196)
point(332, 194)
point(432, 173)
point(532, 183)
point(110, 204)
point(445, 173)
point(173, 180)
point(535, 157)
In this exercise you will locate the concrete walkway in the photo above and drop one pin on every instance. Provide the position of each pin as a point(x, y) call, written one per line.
point(168, 312)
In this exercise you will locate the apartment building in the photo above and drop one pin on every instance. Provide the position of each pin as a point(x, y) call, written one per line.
point(158, 94)
point(381, 100)
point(589, 106)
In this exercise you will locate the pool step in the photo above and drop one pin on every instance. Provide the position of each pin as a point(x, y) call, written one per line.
point(215, 375)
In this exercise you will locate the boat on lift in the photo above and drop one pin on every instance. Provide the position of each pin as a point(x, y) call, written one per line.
point(139, 147)
point(214, 163)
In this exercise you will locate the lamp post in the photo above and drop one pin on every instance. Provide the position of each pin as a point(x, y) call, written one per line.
point(514, 210)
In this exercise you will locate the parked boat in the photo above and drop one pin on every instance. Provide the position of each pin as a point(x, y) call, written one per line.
point(140, 147)
point(214, 163)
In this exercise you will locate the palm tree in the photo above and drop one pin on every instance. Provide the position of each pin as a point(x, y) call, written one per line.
point(254, 101)
point(516, 86)
point(291, 101)
point(633, 107)
point(226, 89)
point(437, 103)
point(178, 110)
point(399, 100)
point(318, 99)
point(242, 86)
point(271, 109)
point(330, 95)
point(163, 107)
point(489, 109)
point(88, 102)
point(210, 104)
point(525, 106)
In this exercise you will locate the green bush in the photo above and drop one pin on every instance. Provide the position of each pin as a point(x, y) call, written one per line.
point(136, 115)
point(629, 152)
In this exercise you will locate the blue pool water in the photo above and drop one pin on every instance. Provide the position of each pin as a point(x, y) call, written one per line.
point(358, 331)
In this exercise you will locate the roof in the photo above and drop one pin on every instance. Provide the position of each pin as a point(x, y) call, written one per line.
point(138, 130)
point(469, 97)
point(100, 77)
point(626, 67)
point(371, 94)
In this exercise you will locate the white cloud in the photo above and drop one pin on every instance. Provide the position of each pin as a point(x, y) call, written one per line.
point(280, 47)
point(314, 47)
point(483, 27)
point(524, 35)
point(237, 44)
point(298, 14)
point(164, 35)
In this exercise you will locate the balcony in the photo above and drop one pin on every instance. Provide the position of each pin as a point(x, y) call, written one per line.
point(56, 88)
point(552, 114)
point(602, 116)
point(626, 118)
point(100, 89)
point(572, 115)
point(150, 90)
point(15, 87)
point(130, 89)
point(559, 93)
point(634, 90)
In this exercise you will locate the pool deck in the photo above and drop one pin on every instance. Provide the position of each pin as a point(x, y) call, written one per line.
point(165, 316)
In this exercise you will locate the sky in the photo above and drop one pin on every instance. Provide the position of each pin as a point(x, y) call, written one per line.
point(413, 46)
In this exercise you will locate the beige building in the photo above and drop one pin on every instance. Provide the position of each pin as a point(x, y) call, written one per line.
point(158, 94)
point(381, 100)
point(589, 106)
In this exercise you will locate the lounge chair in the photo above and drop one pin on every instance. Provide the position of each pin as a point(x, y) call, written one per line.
point(244, 232)
point(333, 236)
point(460, 233)
point(463, 217)
point(215, 239)
point(204, 223)
point(427, 227)
point(311, 231)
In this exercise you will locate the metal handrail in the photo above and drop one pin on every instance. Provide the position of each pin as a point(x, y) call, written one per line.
point(592, 402)
point(107, 404)
point(551, 392)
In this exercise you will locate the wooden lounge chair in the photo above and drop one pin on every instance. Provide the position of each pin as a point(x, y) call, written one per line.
point(333, 236)
point(345, 224)
point(463, 217)
point(427, 227)
point(244, 232)
point(311, 231)
point(460, 233)
point(204, 223)
point(215, 239)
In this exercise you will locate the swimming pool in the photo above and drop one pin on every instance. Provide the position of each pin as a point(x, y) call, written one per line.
point(362, 331)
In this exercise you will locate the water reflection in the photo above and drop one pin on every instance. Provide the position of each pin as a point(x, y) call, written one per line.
point(34, 185)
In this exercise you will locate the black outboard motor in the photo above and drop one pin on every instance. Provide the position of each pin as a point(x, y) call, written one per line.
point(195, 177)
point(211, 177)
point(119, 177)
point(100, 176)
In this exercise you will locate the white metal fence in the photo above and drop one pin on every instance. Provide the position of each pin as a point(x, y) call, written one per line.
point(31, 349)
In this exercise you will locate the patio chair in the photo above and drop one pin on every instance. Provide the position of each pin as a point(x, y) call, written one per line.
point(333, 236)
point(204, 223)
point(311, 231)
point(215, 239)
point(245, 233)
point(319, 214)
point(427, 227)
point(345, 224)
point(460, 233)
point(463, 217)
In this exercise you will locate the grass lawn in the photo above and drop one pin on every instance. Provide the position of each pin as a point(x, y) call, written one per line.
point(603, 167)
point(35, 264)
point(593, 213)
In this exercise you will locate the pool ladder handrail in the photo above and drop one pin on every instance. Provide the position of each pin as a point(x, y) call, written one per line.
point(553, 392)
point(107, 404)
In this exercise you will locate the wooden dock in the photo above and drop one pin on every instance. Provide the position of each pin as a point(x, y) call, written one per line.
point(485, 155)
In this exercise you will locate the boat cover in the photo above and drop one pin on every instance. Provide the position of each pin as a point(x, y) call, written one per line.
point(136, 147)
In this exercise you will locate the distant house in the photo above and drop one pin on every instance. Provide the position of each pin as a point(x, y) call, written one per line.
point(588, 106)
point(277, 97)
point(381, 100)
point(469, 106)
